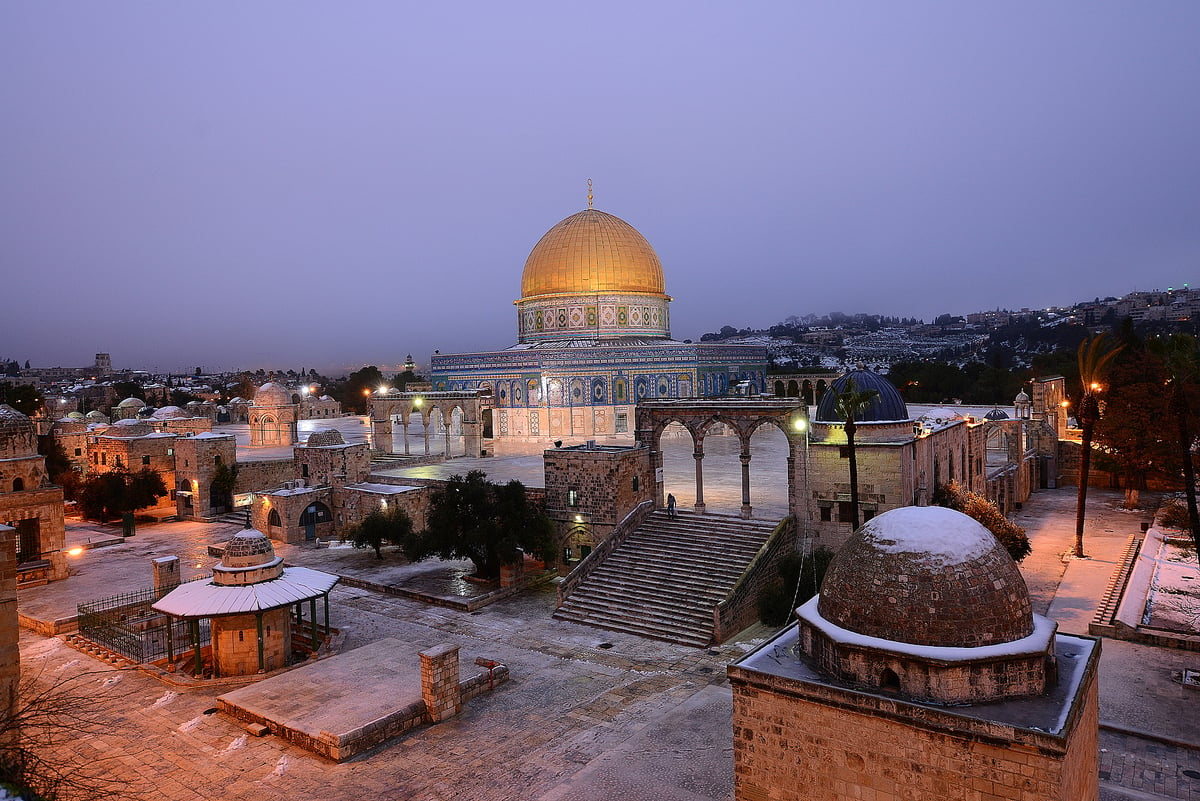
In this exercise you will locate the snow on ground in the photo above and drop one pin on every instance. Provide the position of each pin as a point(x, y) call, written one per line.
point(1174, 598)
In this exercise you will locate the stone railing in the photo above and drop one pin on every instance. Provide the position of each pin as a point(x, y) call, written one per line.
point(602, 551)
point(740, 608)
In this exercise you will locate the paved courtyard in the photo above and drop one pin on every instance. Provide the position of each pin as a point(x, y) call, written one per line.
point(587, 714)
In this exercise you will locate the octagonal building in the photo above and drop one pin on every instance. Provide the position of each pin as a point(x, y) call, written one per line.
point(593, 338)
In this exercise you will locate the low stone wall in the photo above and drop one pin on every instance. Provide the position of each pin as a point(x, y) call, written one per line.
point(739, 610)
point(596, 558)
point(48, 628)
point(264, 474)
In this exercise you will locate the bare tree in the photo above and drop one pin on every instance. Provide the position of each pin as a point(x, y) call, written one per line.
point(38, 734)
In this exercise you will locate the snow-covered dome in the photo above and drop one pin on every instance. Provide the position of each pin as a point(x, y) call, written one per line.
point(248, 559)
point(96, 416)
point(927, 576)
point(169, 413)
point(1022, 397)
point(131, 403)
point(75, 415)
point(18, 435)
point(272, 394)
point(131, 427)
point(238, 399)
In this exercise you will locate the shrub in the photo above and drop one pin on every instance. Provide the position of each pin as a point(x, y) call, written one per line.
point(1011, 536)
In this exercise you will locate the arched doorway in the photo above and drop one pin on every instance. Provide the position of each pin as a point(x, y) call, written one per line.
point(314, 514)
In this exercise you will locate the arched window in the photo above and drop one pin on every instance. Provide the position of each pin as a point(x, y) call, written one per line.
point(18, 484)
point(316, 512)
point(273, 518)
point(889, 681)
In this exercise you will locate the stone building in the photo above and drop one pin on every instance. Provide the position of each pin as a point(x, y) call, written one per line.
point(593, 339)
point(29, 503)
point(919, 671)
point(127, 409)
point(251, 603)
point(322, 407)
point(197, 462)
point(135, 445)
point(590, 488)
point(273, 416)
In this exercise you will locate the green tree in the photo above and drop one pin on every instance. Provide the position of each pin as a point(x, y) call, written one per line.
point(1128, 436)
point(223, 483)
point(1181, 362)
point(25, 398)
point(129, 389)
point(355, 391)
point(472, 518)
point(850, 404)
point(1094, 356)
point(957, 497)
point(118, 492)
point(392, 525)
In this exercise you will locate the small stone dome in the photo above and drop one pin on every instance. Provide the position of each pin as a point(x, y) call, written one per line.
point(131, 403)
point(75, 415)
point(887, 406)
point(325, 437)
point(129, 428)
point(96, 416)
point(18, 435)
point(1022, 397)
point(996, 414)
point(272, 394)
point(169, 413)
point(248, 559)
point(927, 576)
point(248, 548)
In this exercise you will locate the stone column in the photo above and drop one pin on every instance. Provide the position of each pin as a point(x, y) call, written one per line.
point(381, 427)
point(439, 682)
point(745, 459)
point(166, 574)
point(404, 424)
point(698, 455)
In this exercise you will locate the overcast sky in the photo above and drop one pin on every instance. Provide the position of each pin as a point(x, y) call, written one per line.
point(289, 185)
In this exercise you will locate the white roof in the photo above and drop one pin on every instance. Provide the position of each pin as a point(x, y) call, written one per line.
point(207, 599)
point(381, 489)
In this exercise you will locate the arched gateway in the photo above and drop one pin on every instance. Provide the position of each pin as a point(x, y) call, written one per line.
point(396, 409)
point(743, 416)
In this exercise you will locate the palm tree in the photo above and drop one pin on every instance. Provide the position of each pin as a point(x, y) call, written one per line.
point(1095, 354)
point(1182, 362)
point(848, 404)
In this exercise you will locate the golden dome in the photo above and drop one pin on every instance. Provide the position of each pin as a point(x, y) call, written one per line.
point(592, 252)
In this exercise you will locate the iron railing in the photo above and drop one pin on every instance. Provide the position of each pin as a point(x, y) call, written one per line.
point(127, 625)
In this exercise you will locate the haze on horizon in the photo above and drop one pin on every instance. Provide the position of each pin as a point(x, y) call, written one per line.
point(303, 185)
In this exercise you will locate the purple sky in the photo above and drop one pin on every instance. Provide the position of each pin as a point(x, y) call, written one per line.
point(297, 185)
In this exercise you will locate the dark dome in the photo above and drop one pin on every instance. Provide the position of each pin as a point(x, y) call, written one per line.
point(927, 576)
point(888, 406)
point(996, 414)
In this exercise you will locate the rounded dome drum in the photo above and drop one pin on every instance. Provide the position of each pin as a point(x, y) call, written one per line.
point(592, 251)
point(887, 406)
point(927, 576)
point(248, 548)
point(272, 394)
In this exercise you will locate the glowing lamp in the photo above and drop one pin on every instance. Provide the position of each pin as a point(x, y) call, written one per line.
point(798, 424)
point(75, 551)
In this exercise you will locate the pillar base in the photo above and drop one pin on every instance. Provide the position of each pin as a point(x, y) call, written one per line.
point(699, 508)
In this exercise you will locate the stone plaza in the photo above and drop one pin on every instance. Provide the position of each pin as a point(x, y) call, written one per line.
point(586, 714)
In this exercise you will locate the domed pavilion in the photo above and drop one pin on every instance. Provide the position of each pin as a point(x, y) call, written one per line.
point(593, 338)
point(918, 671)
point(250, 602)
point(273, 416)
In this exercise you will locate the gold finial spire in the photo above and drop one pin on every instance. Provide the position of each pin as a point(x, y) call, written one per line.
point(589, 193)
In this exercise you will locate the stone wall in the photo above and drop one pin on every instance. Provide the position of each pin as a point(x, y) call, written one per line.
point(38, 511)
point(235, 642)
point(321, 465)
point(352, 505)
point(10, 655)
point(265, 474)
point(196, 463)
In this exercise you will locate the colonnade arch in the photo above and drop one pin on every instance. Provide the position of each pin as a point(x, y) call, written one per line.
point(742, 416)
point(471, 409)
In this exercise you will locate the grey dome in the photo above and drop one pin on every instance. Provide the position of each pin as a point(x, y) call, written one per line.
point(887, 406)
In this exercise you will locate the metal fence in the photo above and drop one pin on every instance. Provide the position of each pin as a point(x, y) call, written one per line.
point(127, 625)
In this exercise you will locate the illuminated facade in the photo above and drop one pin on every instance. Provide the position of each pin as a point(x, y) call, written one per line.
point(593, 338)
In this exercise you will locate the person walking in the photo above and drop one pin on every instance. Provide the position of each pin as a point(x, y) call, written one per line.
point(670, 506)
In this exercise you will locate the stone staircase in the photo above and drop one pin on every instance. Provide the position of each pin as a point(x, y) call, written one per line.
point(665, 579)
